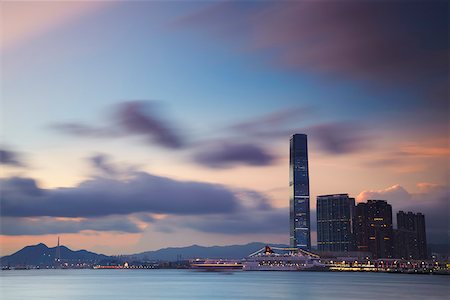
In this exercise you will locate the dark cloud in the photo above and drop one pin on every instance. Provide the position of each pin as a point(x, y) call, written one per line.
point(101, 162)
point(142, 118)
point(21, 187)
point(145, 217)
point(332, 137)
point(431, 200)
point(49, 225)
point(277, 119)
point(271, 221)
point(225, 154)
point(388, 41)
point(131, 118)
point(279, 124)
point(84, 130)
point(10, 158)
point(128, 203)
point(139, 192)
point(340, 137)
point(252, 200)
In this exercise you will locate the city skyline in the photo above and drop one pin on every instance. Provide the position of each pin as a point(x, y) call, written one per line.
point(128, 127)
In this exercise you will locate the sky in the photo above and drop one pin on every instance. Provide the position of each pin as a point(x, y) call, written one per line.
point(133, 126)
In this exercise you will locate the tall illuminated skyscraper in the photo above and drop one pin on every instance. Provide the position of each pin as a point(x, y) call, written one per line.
point(300, 229)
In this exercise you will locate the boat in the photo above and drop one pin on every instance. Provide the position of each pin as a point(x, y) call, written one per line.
point(216, 265)
point(282, 259)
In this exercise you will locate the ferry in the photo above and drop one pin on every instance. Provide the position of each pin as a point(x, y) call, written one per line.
point(216, 265)
point(282, 259)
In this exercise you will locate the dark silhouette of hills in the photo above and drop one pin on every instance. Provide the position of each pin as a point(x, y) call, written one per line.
point(195, 251)
point(41, 255)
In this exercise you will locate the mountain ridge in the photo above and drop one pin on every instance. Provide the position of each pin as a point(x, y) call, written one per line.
point(197, 251)
point(42, 255)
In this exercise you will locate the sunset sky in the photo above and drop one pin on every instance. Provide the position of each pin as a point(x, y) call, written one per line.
point(132, 126)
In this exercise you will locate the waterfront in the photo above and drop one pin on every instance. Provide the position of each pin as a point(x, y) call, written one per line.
point(188, 284)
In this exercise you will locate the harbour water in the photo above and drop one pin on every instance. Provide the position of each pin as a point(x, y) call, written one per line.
point(188, 284)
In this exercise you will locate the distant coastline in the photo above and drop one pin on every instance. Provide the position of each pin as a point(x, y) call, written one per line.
point(42, 257)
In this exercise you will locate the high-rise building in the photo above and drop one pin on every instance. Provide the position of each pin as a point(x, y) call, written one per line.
point(410, 236)
point(335, 223)
point(421, 236)
point(361, 228)
point(373, 228)
point(300, 229)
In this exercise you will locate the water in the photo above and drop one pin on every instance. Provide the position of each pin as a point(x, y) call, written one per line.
point(187, 284)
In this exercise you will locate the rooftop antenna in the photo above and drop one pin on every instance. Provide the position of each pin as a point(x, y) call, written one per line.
point(58, 253)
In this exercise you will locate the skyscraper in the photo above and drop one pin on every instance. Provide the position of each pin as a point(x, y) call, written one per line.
point(410, 237)
point(334, 223)
point(373, 228)
point(300, 229)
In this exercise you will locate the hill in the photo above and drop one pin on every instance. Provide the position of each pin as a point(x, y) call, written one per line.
point(41, 255)
point(195, 251)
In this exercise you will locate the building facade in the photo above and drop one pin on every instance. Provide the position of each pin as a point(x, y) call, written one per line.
point(410, 236)
point(361, 228)
point(300, 228)
point(373, 228)
point(335, 215)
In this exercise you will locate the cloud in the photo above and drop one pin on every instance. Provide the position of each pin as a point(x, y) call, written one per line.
point(140, 192)
point(101, 163)
point(10, 158)
point(25, 187)
point(227, 154)
point(269, 221)
point(131, 203)
point(279, 119)
point(142, 117)
point(84, 130)
point(50, 225)
point(340, 137)
point(332, 137)
point(412, 157)
point(393, 192)
point(394, 41)
point(130, 118)
point(431, 200)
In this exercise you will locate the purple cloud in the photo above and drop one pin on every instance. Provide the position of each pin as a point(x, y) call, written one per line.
point(141, 117)
point(101, 163)
point(84, 130)
point(255, 222)
point(339, 137)
point(131, 118)
point(384, 41)
point(140, 192)
point(10, 158)
point(126, 202)
point(332, 137)
point(227, 154)
point(278, 119)
point(49, 225)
